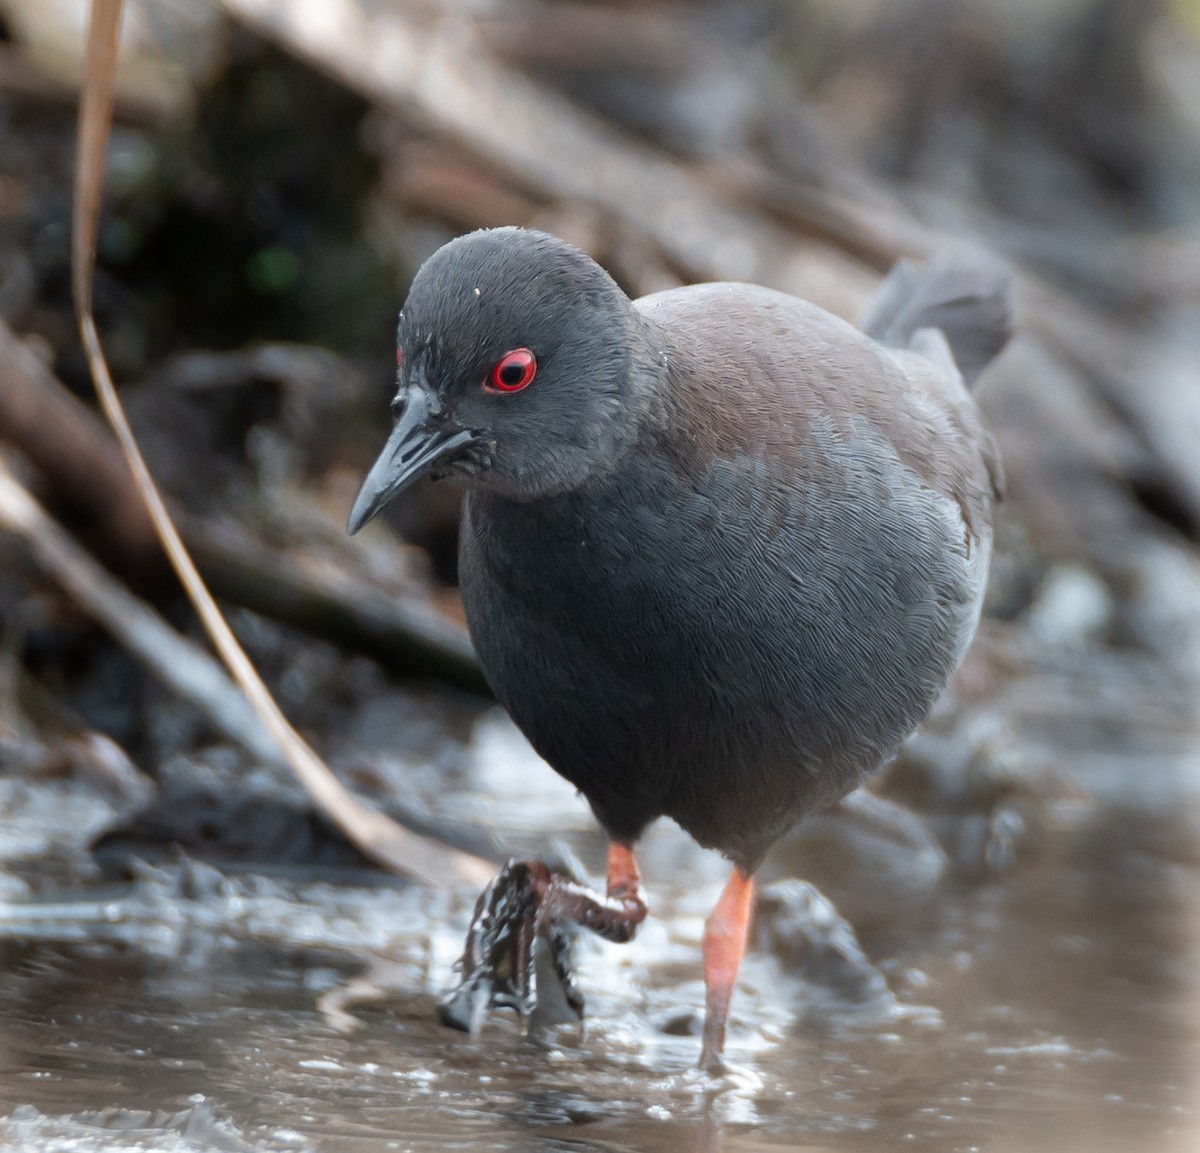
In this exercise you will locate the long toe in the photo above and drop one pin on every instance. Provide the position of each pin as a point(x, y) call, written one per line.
point(525, 902)
point(495, 970)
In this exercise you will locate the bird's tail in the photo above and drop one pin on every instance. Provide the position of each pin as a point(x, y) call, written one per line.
point(965, 295)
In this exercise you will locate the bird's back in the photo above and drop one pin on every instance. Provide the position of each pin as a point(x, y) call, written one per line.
point(744, 616)
point(784, 362)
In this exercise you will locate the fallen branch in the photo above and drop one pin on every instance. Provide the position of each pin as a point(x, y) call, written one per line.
point(443, 71)
point(87, 483)
point(405, 635)
point(173, 659)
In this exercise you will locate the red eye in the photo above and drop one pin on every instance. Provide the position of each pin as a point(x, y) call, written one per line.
point(513, 371)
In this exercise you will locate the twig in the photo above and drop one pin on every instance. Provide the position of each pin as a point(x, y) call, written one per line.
point(374, 833)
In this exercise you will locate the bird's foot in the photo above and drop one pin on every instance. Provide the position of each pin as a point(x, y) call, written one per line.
point(524, 903)
point(712, 1062)
point(496, 969)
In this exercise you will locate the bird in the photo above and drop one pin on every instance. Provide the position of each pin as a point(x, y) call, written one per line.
point(721, 551)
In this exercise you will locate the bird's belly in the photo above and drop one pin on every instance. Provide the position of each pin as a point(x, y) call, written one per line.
point(731, 655)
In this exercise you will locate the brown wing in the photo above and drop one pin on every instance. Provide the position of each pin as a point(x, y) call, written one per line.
point(751, 368)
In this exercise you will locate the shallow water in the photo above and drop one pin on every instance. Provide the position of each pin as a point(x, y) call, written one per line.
point(1053, 1006)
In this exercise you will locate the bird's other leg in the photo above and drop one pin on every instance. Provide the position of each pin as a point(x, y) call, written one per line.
point(526, 901)
point(616, 916)
point(724, 943)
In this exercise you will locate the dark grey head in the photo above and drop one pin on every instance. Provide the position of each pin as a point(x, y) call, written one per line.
point(516, 371)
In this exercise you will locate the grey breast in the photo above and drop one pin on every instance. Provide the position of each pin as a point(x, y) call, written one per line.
point(671, 660)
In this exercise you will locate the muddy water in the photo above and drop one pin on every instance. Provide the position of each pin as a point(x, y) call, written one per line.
point(1052, 1006)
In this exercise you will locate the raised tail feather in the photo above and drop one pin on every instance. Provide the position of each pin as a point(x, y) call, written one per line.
point(965, 295)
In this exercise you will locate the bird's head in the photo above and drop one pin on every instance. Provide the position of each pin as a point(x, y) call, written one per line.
point(515, 357)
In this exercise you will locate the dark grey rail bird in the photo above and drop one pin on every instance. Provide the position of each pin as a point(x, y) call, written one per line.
point(721, 551)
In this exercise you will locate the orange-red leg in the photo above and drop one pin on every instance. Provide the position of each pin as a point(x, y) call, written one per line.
point(615, 917)
point(724, 943)
point(624, 880)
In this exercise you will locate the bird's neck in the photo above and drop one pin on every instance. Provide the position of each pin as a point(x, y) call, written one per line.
point(648, 402)
point(645, 413)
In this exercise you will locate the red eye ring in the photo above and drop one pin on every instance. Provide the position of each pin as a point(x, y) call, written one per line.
point(513, 371)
